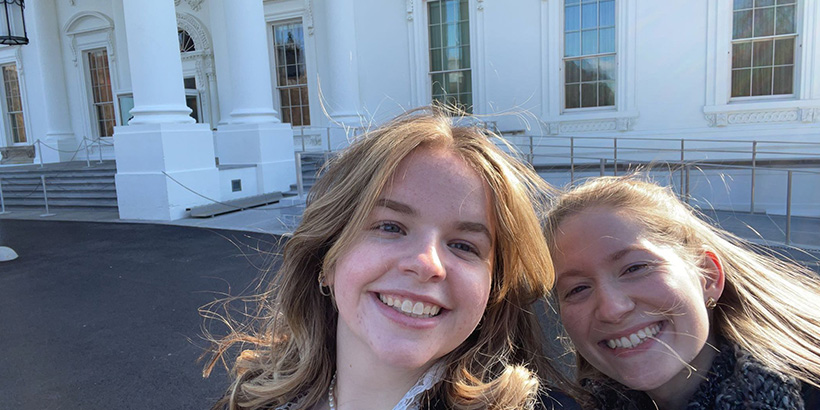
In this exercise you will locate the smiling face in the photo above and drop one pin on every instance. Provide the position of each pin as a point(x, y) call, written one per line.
point(415, 283)
point(634, 308)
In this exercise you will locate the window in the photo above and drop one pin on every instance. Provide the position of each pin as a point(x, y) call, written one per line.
point(291, 75)
point(589, 53)
point(763, 47)
point(186, 43)
point(449, 34)
point(192, 98)
point(14, 104)
point(103, 101)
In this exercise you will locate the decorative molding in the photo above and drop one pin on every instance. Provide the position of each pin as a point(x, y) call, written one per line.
point(622, 124)
point(722, 119)
point(480, 6)
point(195, 4)
point(410, 10)
point(308, 18)
point(195, 29)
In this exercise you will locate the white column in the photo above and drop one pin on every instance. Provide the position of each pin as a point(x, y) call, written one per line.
point(156, 68)
point(342, 85)
point(165, 161)
point(254, 136)
point(249, 62)
point(46, 39)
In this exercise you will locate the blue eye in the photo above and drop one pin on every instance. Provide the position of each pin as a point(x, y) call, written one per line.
point(389, 227)
point(466, 247)
point(576, 290)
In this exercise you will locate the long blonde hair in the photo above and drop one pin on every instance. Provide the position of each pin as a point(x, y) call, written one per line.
point(768, 306)
point(293, 341)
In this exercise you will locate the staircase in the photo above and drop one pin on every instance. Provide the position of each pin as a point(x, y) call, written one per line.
point(311, 164)
point(68, 184)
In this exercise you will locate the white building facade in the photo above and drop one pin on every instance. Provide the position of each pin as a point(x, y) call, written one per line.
point(189, 95)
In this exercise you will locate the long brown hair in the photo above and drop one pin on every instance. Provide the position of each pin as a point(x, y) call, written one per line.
point(768, 306)
point(292, 337)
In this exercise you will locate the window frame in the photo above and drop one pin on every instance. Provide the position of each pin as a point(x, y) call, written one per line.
point(430, 73)
point(795, 62)
point(278, 88)
point(803, 105)
point(89, 87)
point(8, 113)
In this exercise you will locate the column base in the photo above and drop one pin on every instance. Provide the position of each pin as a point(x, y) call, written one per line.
point(61, 148)
point(158, 167)
point(269, 146)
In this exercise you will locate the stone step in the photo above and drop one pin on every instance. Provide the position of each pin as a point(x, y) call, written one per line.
point(91, 194)
point(104, 187)
point(60, 202)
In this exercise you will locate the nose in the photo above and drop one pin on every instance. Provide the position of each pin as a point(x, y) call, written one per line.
point(424, 259)
point(612, 304)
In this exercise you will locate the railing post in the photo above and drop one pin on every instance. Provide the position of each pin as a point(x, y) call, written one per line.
point(302, 135)
point(754, 168)
point(2, 201)
point(603, 166)
point(789, 209)
point(571, 161)
point(45, 195)
point(688, 192)
point(99, 148)
point(299, 184)
point(615, 156)
point(40, 152)
point(682, 159)
point(327, 133)
point(87, 159)
point(532, 153)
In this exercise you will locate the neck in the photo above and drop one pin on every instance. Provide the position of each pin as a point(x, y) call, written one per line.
point(364, 384)
point(675, 394)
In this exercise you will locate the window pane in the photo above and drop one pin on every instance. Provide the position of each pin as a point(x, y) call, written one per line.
point(764, 22)
point(435, 12)
point(438, 83)
point(465, 56)
point(572, 18)
point(762, 81)
point(464, 11)
point(606, 68)
point(572, 95)
point(572, 44)
point(589, 42)
point(467, 82)
point(572, 72)
point(452, 81)
point(589, 95)
point(607, 42)
point(763, 3)
point(742, 24)
point(741, 83)
point(784, 51)
point(785, 20)
point(589, 15)
point(284, 97)
point(589, 69)
point(783, 80)
point(435, 60)
point(450, 14)
point(435, 36)
point(465, 34)
point(606, 93)
point(450, 35)
point(742, 55)
point(785, 1)
point(763, 53)
point(743, 4)
point(452, 58)
point(607, 13)
point(572, 1)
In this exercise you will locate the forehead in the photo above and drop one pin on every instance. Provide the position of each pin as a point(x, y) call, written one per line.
point(596, 231)
point(437, 169)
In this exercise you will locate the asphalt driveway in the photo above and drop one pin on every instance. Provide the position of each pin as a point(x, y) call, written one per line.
point(100, 316)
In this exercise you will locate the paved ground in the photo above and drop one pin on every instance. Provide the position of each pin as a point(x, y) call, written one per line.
point(104, 315)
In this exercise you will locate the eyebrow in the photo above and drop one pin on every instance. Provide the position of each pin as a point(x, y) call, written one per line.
point(402, 208)
point(613, 257)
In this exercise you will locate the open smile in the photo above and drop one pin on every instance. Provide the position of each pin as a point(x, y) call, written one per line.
point(634, 339)
point(409, 307)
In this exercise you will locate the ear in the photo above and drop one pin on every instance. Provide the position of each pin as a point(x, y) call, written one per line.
point(713, 278)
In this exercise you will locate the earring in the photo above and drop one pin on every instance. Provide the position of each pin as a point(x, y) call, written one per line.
point(324, 290)
point(711, 303)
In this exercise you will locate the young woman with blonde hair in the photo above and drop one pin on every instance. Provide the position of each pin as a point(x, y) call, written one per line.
point(407, 285)
point(666, 311)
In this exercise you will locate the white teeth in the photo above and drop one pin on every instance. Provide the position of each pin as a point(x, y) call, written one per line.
point(634, 339)
point(409, 307)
